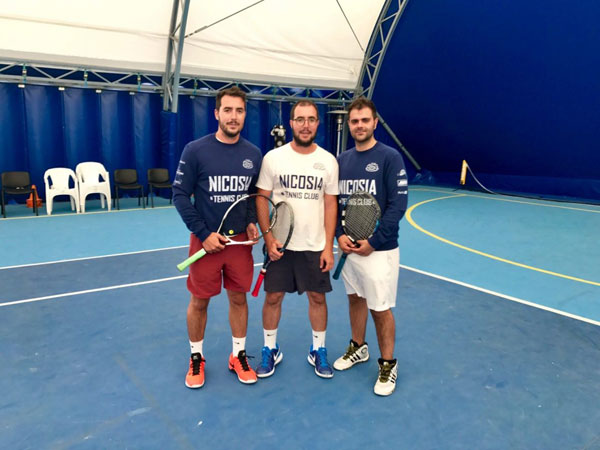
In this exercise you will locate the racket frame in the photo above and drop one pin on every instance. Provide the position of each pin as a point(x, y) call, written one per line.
point(342, 260)
point(267, 260)
point(202, 252)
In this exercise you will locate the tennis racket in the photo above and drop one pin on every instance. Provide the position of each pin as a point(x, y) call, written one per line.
point(234, 222)
point(360, 218)
point(282, 231)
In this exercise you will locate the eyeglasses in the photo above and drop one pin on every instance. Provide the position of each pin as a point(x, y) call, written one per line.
point(302, 120)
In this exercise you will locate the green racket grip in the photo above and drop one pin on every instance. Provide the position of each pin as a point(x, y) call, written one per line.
point(340, 266)
point(192, 259)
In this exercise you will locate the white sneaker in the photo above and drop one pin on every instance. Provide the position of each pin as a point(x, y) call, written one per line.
point(353, 355)
point(386, 381)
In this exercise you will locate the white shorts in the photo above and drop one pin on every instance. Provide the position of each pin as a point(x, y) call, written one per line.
point(373, 277)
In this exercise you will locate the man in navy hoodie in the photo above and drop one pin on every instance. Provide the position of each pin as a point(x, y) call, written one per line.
point(217, 169)
point(371, 271)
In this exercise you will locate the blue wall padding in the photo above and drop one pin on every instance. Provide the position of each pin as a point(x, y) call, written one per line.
point(117, 130)
point(13, 145)
point(81, 126)
point(43, 124)
point(168, 141)
point(146, 133)
point(512, 87)
point(42, 127)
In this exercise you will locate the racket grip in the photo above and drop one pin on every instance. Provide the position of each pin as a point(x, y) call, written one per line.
point(192, 259)
point(340, 266)
point(259, 280)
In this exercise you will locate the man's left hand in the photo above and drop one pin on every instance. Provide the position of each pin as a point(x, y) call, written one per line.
point(326, 260)
point(363, 248)
point(252, 232)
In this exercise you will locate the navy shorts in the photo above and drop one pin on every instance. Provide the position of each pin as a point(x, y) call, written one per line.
point(297, 272)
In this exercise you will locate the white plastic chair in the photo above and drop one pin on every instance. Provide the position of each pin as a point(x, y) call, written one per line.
point(93, 179)
point(57, 181)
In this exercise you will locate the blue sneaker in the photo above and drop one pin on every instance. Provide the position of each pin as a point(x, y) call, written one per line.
point(318, 358)
point(270, 358)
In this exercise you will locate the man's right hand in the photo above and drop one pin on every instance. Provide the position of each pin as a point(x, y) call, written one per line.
point(214, 243)
point(273, 246)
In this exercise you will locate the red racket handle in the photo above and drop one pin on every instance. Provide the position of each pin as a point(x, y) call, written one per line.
point(258, 284)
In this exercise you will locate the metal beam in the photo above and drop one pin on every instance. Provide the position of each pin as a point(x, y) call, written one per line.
point(390, 14)
point(174, 48)
point(382, 33)
point(30, 73)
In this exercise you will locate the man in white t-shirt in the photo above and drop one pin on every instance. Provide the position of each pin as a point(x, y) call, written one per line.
point(306, 177)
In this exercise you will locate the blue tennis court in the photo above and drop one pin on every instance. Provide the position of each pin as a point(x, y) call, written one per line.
point(491, 354)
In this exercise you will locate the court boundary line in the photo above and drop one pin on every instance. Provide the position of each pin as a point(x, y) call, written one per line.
point(504, 296)
point(83, 258)
point(502, 198)
point(402, 266)
point(69, 214)
point(412, 222)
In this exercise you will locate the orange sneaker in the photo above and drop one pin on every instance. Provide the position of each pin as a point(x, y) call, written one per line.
point(195, 376)
point(239, 365)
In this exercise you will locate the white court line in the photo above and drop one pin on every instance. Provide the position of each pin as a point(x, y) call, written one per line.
point(89, 291)
point(92, 257)
point(412, 269)
point(504, 296)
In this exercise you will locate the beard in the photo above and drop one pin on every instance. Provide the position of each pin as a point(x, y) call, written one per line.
point(304, 142)
point(366, 138)
point(227, 132)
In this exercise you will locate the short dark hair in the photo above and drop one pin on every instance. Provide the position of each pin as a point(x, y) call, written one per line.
point(362, 102)
point(233, 91)
point(303, 103)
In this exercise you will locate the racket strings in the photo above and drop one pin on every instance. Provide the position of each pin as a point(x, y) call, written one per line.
point(283, 223)
point(361, 222)
point(236, 220)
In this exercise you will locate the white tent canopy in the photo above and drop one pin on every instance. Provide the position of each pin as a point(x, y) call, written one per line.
point(318, 43)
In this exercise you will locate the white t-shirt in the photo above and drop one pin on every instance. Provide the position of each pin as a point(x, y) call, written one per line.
point(301, 180)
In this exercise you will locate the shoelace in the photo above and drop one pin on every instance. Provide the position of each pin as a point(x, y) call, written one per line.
point(266, 356)
point(350, 351)
point(196, 366)
point(243, 359)
point(321, 357)
point(384, 374)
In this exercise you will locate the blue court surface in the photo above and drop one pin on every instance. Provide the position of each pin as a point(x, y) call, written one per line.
point(497, 337)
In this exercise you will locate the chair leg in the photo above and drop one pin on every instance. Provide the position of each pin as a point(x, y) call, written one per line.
point(3, 208)
point(151, 195)
point(116, 199)
point(49, 200)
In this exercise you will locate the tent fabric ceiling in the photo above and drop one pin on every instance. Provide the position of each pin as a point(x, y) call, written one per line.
point(309, 43)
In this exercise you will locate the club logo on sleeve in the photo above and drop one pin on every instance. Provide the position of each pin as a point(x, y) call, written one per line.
point(247, 164)
point(319, 166)
point(402, 183)
point(372, 167)
point(402, 173)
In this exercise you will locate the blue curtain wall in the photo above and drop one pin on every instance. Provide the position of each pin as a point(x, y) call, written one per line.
point(43, 127)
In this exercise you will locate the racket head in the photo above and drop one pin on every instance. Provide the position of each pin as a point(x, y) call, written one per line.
point(283, 226)
point(360, 216)
point(241, 213)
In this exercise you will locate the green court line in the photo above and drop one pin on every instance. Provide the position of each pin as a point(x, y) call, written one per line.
point(487, 255)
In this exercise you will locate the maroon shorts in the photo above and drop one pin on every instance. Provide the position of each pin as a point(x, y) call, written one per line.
point(232, 267)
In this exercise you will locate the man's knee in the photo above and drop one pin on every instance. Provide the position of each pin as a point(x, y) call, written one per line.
point(198, 304)
point(316, 298)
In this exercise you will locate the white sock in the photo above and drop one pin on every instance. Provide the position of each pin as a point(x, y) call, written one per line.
point(239, 344)
point(318, 339)
point(196, 347)
point(270, 338)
